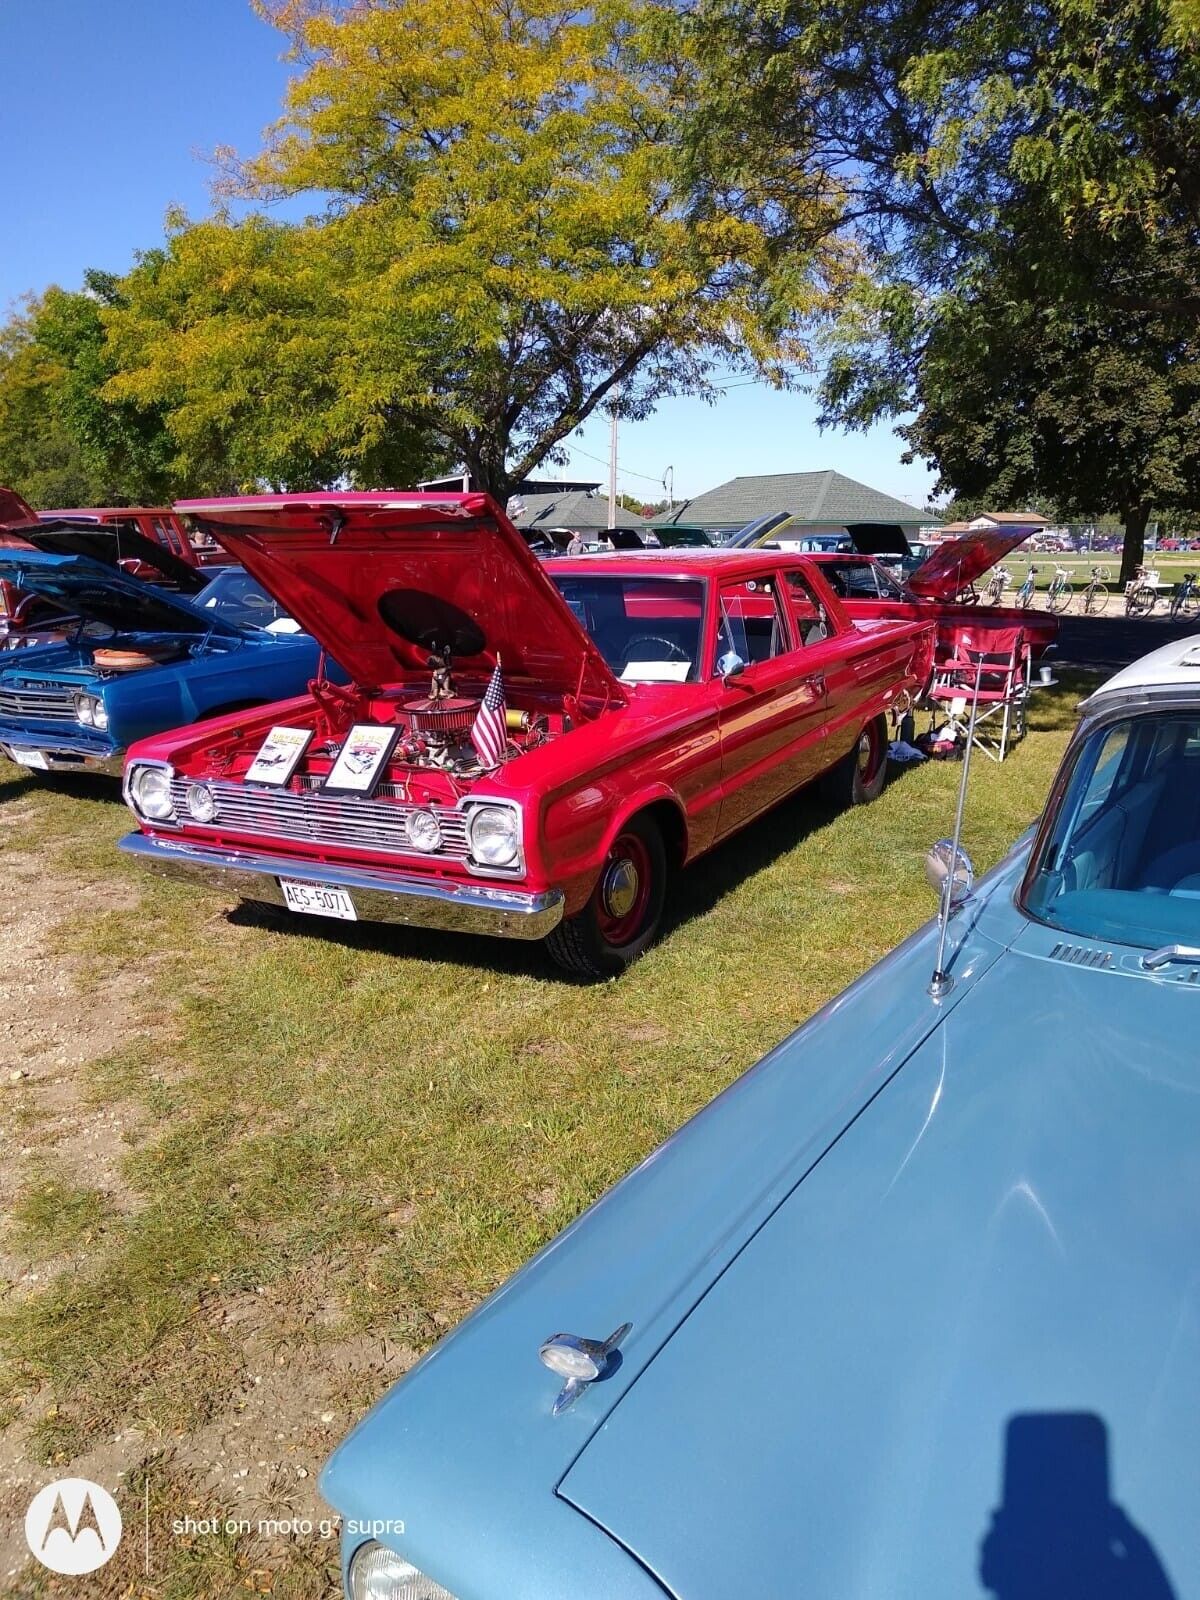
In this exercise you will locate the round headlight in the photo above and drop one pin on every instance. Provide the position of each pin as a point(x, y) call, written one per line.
point(84, 709)
point(376, 1573)
point(150, 790)
point(494, 835)
point(423, 831)
point(99, 714)
point(201, 802)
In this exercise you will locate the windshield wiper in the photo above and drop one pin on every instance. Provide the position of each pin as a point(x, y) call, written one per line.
point(1170, 952)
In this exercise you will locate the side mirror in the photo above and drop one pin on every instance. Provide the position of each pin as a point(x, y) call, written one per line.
point(943, 862)
point(730, 665)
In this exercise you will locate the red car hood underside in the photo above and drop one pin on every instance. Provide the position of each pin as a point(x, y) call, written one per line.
point(953, 565)
point(448, 560)
point(14, 510)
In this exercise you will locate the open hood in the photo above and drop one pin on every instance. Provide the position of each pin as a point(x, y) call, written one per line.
point(878, 538)
point(381, 580)
point(108, 595)
point(958, 562)
point(13, 510)
point(113, 544)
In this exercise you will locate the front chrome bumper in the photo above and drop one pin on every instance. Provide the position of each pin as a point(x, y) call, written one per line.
point(377, 896)
point(62, 758)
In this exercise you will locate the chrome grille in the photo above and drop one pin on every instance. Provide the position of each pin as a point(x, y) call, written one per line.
point(47, 702)
point(315, 818)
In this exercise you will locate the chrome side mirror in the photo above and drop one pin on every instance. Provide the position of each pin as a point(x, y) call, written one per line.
point(730, 665)
point(944, 861)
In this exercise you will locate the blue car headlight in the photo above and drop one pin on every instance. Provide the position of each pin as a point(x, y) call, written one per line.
point(377, 1573)
point(90, 711)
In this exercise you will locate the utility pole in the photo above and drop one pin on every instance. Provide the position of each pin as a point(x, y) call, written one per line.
point(668, 483)
point(612, 470)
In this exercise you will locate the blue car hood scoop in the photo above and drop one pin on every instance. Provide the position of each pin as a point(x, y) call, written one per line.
point(991, 1250)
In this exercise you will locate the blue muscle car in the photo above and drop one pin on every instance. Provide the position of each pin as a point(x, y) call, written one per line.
point(139, 660)
point(911, 1311)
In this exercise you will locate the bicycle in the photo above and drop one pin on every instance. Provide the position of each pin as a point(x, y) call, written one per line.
point(1095, 596)
point(1058, 595)
point(1141, 593)
point(996, 585)
point(1025, 592)
point(1185, 602)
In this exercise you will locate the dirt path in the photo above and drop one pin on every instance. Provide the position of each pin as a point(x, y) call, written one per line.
point(274, 1419)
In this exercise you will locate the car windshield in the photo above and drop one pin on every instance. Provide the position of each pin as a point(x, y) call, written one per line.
point(235, 596)
point(1122, 860)
point(863, 580)
point(647, 629)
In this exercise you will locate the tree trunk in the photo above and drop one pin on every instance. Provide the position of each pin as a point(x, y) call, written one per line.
point(1134, 549)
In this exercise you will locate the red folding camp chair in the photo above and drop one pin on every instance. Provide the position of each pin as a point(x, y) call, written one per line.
point(1000, 675)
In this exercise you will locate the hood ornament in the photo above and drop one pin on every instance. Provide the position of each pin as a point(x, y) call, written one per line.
point(579, 1361)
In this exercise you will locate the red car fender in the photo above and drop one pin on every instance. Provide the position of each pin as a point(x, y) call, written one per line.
point(592, 817)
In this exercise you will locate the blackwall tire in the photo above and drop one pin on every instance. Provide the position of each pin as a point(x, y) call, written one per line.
point(623, 915)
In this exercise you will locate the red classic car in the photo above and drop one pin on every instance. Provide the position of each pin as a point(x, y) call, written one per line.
point(868, 589)
point(590, 725)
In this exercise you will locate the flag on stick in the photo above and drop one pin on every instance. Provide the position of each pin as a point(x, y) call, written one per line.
point(489, 734)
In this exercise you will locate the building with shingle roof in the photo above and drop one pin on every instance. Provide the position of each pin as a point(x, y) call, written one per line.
point(820, 502)
point(582, 512)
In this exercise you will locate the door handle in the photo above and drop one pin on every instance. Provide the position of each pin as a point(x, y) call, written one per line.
point(815, 680)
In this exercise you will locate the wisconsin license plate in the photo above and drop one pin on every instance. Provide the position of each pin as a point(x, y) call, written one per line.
point(29, 758)
point(316, 900)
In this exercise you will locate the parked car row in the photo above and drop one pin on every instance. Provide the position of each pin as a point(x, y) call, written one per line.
point(910, 1307)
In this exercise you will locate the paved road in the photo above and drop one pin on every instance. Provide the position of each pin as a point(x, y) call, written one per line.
point(1112, 642)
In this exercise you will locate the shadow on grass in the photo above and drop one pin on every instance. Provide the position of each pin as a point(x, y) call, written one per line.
point(694, 891)
point(15, 788)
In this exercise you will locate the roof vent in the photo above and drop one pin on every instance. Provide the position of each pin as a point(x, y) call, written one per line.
point(1191, 656)
point(1080, 956)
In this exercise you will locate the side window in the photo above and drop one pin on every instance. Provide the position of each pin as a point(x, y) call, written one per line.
point(751, 621)
point(809, 616)
point(168, 536)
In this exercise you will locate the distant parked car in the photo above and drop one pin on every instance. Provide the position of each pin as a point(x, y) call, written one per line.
point(137, 661)
point(159, 524)
point(910, 1310)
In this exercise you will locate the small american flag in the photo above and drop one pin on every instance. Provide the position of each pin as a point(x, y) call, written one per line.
point(489, 734)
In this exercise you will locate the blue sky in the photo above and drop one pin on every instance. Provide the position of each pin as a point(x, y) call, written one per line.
point(112, 109)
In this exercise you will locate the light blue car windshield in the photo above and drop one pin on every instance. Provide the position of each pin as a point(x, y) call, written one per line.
point(1123, 859)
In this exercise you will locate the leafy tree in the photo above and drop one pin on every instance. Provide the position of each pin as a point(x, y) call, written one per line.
point(1038, 166)
point(1090, 407)
point(500, 249)
point(61, 443)
point(238, 334)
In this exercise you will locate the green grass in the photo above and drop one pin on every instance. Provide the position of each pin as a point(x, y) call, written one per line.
point(378, 1125)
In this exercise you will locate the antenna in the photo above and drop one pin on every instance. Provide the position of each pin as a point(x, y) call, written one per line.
point(941, 983)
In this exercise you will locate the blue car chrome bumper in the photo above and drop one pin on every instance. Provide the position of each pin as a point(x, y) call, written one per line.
point(377, 896)
point(61, 750)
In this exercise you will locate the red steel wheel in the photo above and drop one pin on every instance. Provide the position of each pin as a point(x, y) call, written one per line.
point(625, 908)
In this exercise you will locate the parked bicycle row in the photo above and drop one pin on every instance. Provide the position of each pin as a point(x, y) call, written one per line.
point(1147, 593)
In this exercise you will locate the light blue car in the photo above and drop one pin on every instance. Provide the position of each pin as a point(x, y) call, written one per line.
point(65, 708)
point(911, 1311)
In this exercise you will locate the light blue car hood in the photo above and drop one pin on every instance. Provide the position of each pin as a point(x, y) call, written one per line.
point(916, 1271)
point(964, 1357)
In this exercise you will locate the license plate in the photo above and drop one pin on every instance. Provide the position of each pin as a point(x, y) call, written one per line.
point(316, 900)
point(29, 758)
